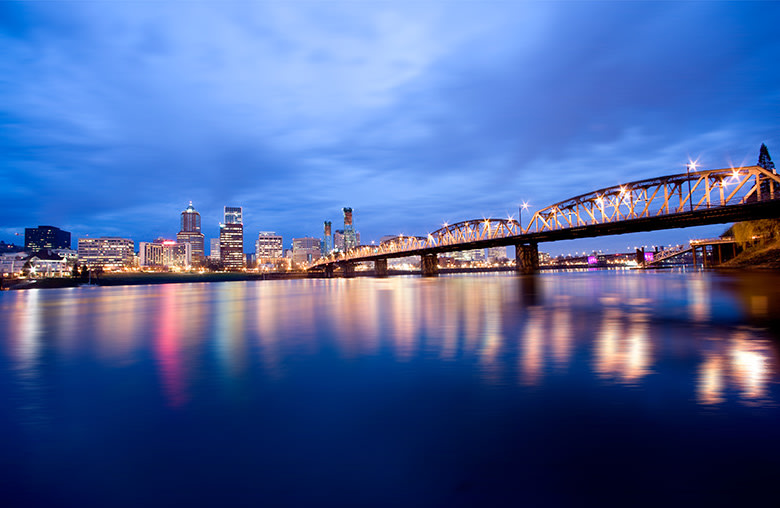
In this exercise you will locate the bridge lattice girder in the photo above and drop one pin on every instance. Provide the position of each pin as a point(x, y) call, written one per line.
point(667, 195)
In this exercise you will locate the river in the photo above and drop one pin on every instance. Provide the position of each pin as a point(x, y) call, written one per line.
point(563, 389)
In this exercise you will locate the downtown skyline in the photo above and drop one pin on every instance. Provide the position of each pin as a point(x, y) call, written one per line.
point(115, 116)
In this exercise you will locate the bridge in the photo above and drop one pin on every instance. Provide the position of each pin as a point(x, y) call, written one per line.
point(681, 200)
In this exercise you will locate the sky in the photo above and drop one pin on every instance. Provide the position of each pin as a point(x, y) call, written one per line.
point(115, 114)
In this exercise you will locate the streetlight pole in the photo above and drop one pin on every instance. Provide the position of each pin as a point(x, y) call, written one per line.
point(520, 209)
point(688, 170)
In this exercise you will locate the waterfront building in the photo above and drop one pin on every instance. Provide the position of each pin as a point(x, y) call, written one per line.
point(231, 245)
point(46, 237)
point(470, 255)
point(47, 263)
point(306, 250)
point(190, 233)
point(164, 253)
point(106, 252)
point(11, 263)
point(495, 254)
point(268, 247)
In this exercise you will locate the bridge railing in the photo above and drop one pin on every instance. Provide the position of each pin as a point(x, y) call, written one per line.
point(685, 192)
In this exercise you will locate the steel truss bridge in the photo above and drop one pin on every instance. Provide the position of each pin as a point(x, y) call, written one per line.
point(674, 201)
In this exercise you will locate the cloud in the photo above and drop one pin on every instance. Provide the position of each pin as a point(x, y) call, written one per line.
point(113, 116)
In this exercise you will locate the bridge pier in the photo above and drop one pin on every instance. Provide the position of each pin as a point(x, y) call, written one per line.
point(429, 265)
point(348, 269)
point(329, 271)
point(527, 257)
point(380, 267)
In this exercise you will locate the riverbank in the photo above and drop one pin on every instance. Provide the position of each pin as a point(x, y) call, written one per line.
point(764, 257)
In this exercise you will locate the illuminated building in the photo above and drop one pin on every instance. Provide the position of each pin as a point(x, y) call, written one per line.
point(328, 239)
point(306, 250)
point(268, 247)
point(231, 245)
point(496, 254)
point(106, 252)
point(190, 233)
point(46, 237)
point(214, 252)
point(165, 253)
point(350, 237)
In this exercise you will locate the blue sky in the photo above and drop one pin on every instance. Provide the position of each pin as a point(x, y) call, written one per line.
point(113, 115)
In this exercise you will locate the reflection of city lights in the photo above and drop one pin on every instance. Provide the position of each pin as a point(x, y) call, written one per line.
point(532, 343)
point(710, 381)
point(749, 369)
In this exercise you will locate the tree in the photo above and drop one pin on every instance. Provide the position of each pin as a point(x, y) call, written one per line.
point(74, 272)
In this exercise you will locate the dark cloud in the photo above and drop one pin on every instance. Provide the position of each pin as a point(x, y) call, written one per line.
point(113, 116)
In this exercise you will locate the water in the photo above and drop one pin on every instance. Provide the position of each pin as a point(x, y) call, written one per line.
point(568, 389)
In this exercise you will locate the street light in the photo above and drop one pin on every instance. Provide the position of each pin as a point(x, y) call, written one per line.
point(688, 167)
point(520, 214)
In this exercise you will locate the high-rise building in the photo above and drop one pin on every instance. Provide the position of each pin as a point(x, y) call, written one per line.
point(233, 215)
point(190, 233)
point(46, 237)
point(214, 251)
point(328, 239)
point(306, 250)
point(231, 245)
point(350, 239)
point(106, 252)
point(268, 247)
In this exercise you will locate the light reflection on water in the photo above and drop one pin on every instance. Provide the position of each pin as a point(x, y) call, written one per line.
point(637, 324)
point(354, 364)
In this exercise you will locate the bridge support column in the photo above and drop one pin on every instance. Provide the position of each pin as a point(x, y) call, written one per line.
point(527, 257)
point(348, 269)
point(380, 267)
point(429, 265)
point(329, 271)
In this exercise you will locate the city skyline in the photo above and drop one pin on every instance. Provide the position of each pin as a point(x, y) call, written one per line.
point(422, 114)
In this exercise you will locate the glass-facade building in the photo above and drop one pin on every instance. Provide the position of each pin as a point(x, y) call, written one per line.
point(106, 252)
point(190, 233)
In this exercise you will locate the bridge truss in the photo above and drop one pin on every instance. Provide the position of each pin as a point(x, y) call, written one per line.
point(606, 211)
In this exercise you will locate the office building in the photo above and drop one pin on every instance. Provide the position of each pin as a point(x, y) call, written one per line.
point(190, 233)
point(268, 247)
point(306, 250)
point(231, 245)
point(106, 252)
point(46, 237)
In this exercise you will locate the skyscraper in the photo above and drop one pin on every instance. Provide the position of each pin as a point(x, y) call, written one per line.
point(231, 238)
point(190, 233)
point(328, 240)
point(350, 239)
